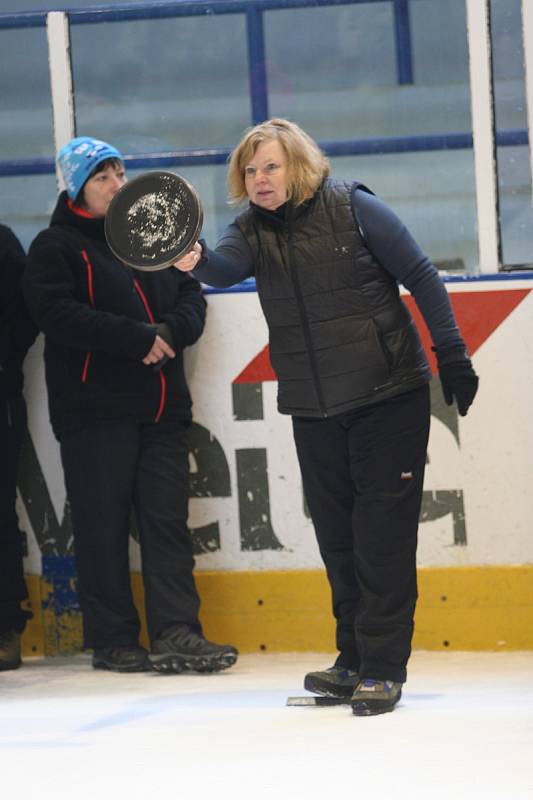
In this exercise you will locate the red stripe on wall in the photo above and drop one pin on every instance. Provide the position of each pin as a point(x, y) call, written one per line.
point(478, 315)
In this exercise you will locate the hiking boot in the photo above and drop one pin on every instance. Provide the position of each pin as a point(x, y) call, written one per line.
point(10, 650)
point(126, 658)
point(332, 682)
point(182, 649)
point(375, 697)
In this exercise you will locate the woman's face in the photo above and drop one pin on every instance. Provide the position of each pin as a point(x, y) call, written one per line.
point(266, 176)
point(101, 189)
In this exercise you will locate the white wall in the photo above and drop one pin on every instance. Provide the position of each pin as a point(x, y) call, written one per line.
point(489, 463)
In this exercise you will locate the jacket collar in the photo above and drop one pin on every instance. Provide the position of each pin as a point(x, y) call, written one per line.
point(288, 212)
point(65, 213)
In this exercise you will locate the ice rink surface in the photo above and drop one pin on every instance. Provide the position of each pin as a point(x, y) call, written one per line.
point(463, 729)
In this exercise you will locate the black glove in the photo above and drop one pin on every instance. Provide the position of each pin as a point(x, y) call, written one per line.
point(457, 378)
point(165, 333)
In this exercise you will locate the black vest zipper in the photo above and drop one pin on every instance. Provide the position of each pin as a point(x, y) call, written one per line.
point(305, 323)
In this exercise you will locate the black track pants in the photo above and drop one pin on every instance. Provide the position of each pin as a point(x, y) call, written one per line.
point(363, 474)
point(111, 468)
point(12, 584)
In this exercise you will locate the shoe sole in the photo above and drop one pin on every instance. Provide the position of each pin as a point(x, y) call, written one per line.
point(175, 663)
point(367, 708)
point(318, 686)
point(7, 665)
point(113, 668)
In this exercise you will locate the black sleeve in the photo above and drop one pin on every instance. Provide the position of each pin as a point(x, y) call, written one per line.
point(17, 329)
point(186, 322)
point(50, 291)
point(229, 263)
point(392, 245)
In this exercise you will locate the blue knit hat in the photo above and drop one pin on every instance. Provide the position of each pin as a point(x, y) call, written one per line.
point(79, 158)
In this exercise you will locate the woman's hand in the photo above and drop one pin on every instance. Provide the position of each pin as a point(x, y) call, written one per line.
point(189, 260)
point(159, 350)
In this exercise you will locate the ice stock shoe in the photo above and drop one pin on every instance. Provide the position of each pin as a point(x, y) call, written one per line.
point(10, 650)
point(375, 697)
point(183, 649)
point(332, 682)
point(128, 658)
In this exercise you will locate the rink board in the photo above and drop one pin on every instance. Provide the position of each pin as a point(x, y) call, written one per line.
point(464, 608)
point(258, 566)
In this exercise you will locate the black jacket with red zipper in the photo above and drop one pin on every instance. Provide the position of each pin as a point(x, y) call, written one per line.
point(100, 320)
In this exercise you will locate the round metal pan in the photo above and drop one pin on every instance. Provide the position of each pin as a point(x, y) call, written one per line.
point(153, 220)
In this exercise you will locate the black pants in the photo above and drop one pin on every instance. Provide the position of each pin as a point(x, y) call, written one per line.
point(12, 585)
point(111, 468)
point(363, 475)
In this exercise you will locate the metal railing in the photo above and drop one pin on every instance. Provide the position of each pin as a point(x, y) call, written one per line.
point(484, 138)
point(188, 157)
point(258, 84)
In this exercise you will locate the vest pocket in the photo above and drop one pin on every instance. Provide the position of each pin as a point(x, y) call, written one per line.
point(405, 349)
point(382, 343)
point(356, 368)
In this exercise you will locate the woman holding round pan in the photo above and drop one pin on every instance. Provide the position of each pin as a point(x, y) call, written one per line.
point(121, 416)
point(327, 256)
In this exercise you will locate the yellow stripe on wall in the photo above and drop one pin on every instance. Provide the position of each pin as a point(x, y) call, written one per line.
point(459, 608)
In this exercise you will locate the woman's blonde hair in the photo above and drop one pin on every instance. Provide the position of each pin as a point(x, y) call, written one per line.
point(307, 164)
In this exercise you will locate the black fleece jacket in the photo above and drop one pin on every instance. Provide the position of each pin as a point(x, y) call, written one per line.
point(17, 329)
point(100, 319)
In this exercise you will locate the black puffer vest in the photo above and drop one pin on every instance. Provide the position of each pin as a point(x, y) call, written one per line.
point(340, 336)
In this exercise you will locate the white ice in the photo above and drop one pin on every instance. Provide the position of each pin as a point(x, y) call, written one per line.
point(464, 729)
